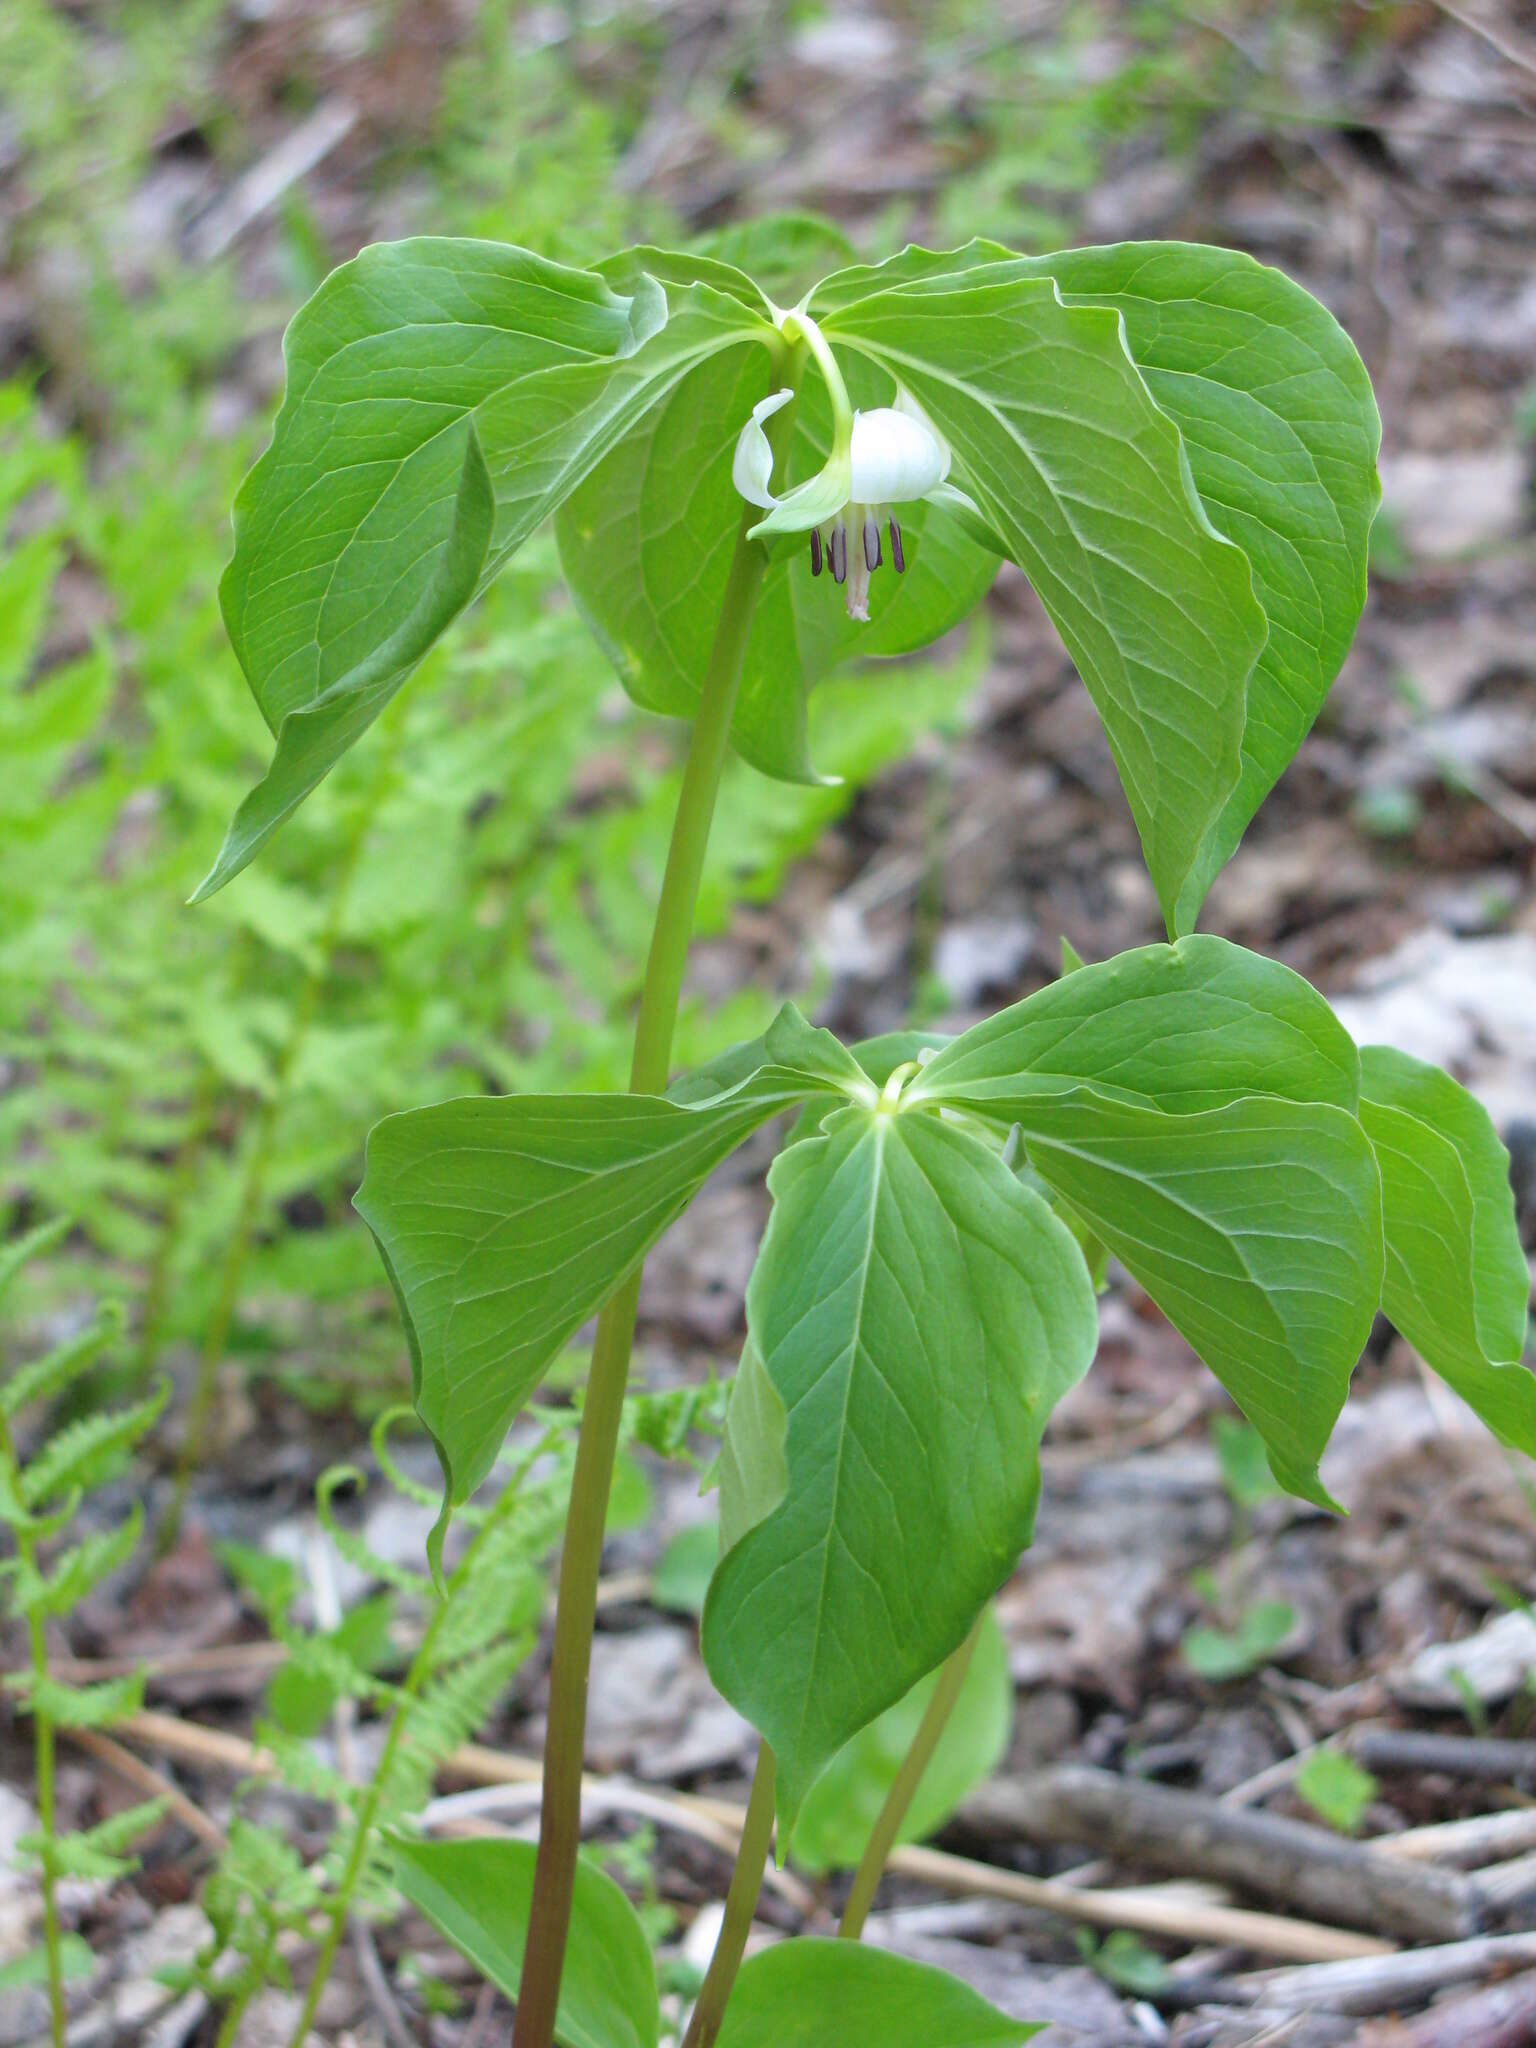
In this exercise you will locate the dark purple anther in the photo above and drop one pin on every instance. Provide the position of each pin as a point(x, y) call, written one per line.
point(871, 544)
point(815, 550)
point(839, 553)
point(898, 559)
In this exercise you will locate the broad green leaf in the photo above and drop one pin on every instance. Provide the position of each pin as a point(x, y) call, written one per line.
point(803, 1994)
point(1085, 478)
point(1457, 1283)
point(478, 1894)
point(646, 545)
point(918, 1312)
point(1219, 1655)
point(843, 1805)
point(1282, 433)
point(32, 1968)
point(313, 736)
point(505, 1222)
point(685, 1568)
point(1194, 1104)
point(443, 398)
point(753, 1468)
point(1185, 1027)
point(784, 252)
point(908, 267)
point(1256, 1228)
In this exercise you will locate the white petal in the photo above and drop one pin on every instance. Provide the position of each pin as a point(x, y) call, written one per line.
point(896, 457)
point(753, 465)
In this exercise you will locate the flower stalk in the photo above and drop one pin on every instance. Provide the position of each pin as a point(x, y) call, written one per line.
point(602, 1411)
point(882, 1839)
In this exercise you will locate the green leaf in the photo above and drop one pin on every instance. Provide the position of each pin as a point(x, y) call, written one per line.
point(1336, 1788)
point(478, 1894)
point(81, 1706)
point(843, 1805)
point(33, 1244)
point(1186, 1027)
point(753, 1469)
point(1244, 1461)
point(1251, 1215)
point(784, 252)
point(685, 1569)
point(1281, 431)
point(1085, 478)
point(646, 544)
point(1457, 1283)
point(443, 397)
point(32, 1968)
point(786, 1996)
point(81, 1569)
point(1213, 1654)
point(302, 1694)
point(43, 1379)
point(918, 1312)
point(1256, 1228)
point(314, 735)
point(98, 1854)
point(88, 1451)
point(505, 1222)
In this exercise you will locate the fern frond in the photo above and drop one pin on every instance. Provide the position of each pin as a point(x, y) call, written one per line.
point(100, 1853)
point(81, 1569)
point(351, 1545)
point(80, 1706)
point(90, 1451)
point(32, 1246)
point(45, 1378)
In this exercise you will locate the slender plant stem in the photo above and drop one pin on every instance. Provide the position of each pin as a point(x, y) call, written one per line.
point(740, 1905)
point(254, 1978)
point(560, 1813)
point(43, 1750)
point(941, 1704)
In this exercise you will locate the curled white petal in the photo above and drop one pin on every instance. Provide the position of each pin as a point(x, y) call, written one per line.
point(752, 468)
point(896, 457)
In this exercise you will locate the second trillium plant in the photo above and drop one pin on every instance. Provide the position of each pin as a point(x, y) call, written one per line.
point(1177, 447)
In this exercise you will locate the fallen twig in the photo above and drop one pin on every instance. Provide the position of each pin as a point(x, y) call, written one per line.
point(134, 1771)
point(1482, 1839)
point(1458, 1756)
point(1382, 1983)
point(1174, 1918)
point(1499, 2016)
point(1290, 1862)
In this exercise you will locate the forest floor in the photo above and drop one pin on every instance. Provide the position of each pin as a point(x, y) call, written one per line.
point(1394, 866)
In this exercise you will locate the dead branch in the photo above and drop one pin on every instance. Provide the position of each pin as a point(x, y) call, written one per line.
point(1289, 1862)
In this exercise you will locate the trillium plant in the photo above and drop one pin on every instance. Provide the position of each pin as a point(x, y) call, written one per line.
point(1177, 447)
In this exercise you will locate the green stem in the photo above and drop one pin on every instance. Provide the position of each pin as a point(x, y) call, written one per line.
point(941, 1705)
point(43, 1750)
point(740, 1905)
point(560, 1814)
point(254, 1978)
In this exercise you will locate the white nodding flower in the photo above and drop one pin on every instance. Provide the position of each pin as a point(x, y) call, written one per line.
point(890, 456)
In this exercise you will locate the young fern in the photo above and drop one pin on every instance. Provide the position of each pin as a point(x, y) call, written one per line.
point(478, 1631)
point(45, 1579)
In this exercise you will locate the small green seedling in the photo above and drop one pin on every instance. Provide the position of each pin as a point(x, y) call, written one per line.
point(1337, 1789)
